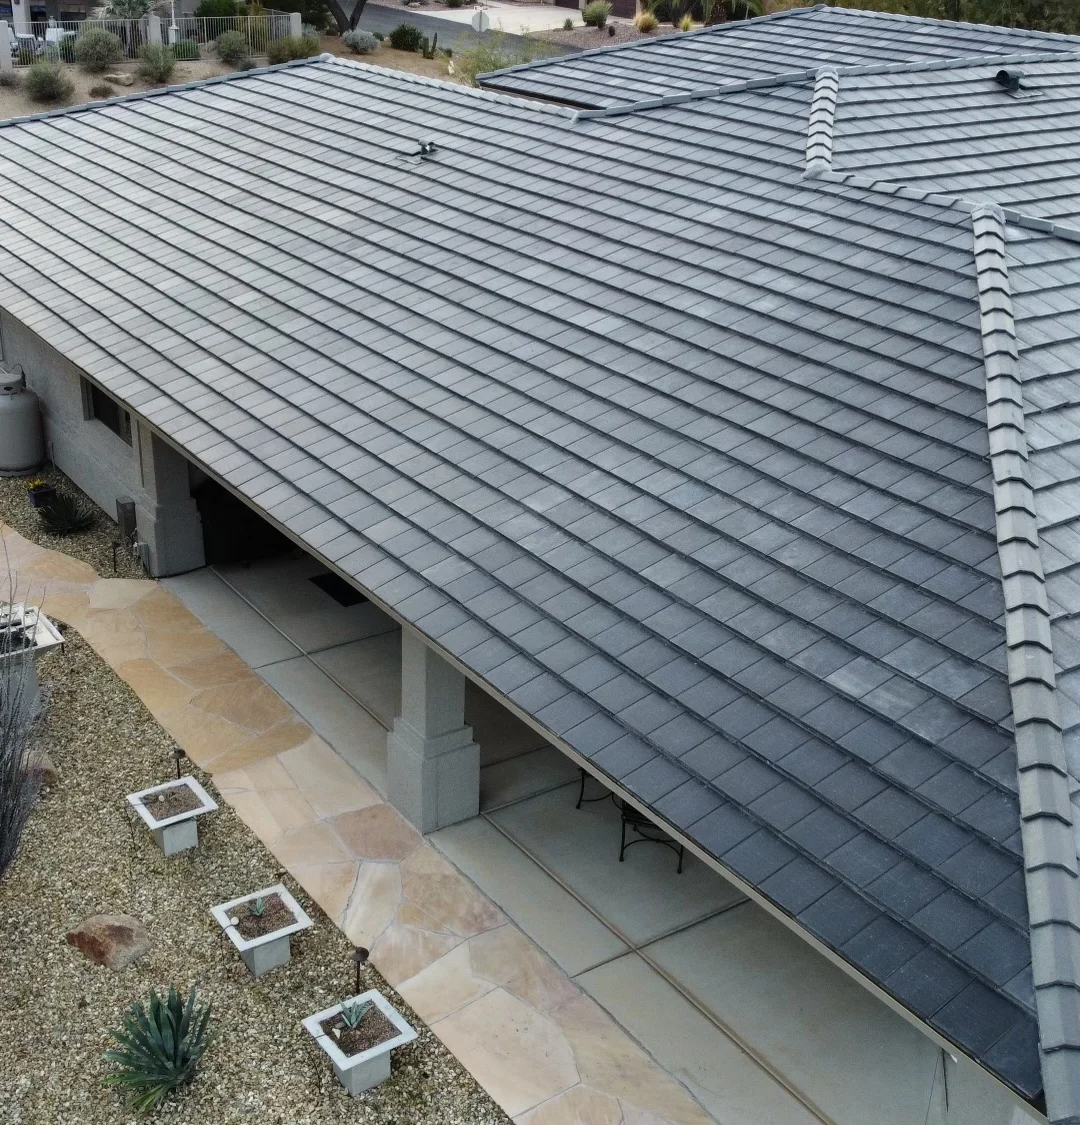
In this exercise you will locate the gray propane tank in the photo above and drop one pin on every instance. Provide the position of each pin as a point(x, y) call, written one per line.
point(22, 447)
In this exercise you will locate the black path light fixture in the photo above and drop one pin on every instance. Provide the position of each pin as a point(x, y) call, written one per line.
point(360, 957)
point(178, 756)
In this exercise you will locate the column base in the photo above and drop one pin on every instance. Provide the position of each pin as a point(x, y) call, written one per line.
point(433, 782)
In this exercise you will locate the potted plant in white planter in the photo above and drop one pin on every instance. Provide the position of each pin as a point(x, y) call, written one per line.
point(358, 1034)
point(260, 926)
point(170, 812)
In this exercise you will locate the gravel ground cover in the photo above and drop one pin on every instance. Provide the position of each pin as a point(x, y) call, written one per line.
point(589, 38)
point(80, 856)
point(93, 546)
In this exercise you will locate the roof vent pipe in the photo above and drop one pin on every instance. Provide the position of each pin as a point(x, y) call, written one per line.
point(1010, 79)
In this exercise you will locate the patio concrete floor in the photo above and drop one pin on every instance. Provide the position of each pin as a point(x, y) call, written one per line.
point(546, 1051)
point(751, 1022)
point(540, 961)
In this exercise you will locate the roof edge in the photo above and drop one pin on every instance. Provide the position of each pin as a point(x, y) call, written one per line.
point(711, 29)
point(715, 29)
point(812, 74)
point(561, 111)
point(1050, 861)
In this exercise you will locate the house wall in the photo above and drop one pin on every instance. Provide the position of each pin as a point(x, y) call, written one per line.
point(102, 464)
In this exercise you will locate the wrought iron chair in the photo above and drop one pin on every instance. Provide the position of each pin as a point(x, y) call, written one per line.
point(647, 832)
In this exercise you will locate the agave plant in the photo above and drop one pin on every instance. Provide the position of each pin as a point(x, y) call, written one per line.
point(352, 1014)
point(65, 514)
point(159, 1048)
point(257, 908)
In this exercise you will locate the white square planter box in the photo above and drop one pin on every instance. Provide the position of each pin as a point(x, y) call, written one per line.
point(173, 833)
point(261, 954)
point(358, 1073)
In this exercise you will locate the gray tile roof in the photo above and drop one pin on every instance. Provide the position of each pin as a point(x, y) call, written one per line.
point(762, 48)
point(958, 131)
point(685, 457)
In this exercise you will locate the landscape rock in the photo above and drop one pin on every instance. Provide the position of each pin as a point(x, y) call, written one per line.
point(112, 940)
point(119, 79)
point(46, 771)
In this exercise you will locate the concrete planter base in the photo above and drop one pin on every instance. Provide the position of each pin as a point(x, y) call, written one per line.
point(179, 837)
point(357, 1079)
point(361, 1072)
point(262, 958)
point(272, 950)
point(174, 834)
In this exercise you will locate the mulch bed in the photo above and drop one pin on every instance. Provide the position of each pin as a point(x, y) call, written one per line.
point(275, 916)
point(374, 1028)
point(172, 802)
point(93, 546)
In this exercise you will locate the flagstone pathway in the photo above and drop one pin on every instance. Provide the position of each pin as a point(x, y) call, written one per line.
point(545, 1051)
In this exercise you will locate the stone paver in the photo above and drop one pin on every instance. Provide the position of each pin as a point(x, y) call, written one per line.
point(547, 1052)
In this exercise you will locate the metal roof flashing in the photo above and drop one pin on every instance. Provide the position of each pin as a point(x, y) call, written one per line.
point(1050, 860)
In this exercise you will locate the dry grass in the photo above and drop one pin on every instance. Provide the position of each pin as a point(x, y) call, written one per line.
point(411, 61)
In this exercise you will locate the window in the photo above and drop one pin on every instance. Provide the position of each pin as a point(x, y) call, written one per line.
point(107, 411)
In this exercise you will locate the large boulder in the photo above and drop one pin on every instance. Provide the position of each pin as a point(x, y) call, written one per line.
point(112, 940)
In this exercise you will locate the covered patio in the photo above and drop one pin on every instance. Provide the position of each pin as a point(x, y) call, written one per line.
point(756, 1025)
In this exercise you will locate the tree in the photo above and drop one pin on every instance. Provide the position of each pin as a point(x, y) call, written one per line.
point(128, 9)
point(345, 19)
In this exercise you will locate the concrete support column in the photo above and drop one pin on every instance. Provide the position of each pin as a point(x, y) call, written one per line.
point(6, 61)
point(20, 15)
point(153, 29)
point(433, 763)
point(169, 524)
point(296, 27)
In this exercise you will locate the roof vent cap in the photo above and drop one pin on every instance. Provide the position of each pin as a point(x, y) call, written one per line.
point(1010, 78)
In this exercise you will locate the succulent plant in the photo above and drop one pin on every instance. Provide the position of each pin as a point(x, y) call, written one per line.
point(257, 908)
point(352, 1014)
point(159, 1048)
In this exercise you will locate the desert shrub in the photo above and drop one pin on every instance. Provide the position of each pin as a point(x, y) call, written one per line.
point(360, 42)
point(405, 37)
point(185, 50)
point(10, 79)
point(231, 47)
point(646, 22)
point(96, 50)
point(102, 90)
point(454, 3)
point(66, 514)
point(493, 53)
point(220, 9)
point(596, 14)
point(379, 35)
point(160, 1047)
point(20, 754)
point(568, 24)
point(47, 83)
point(157, 63)
point(292, 47)
point(686, 23)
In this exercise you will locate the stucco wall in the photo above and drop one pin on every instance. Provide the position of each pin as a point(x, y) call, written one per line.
point(101, 463)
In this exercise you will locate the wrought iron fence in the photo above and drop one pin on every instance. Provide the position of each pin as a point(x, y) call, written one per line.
point(55, 39)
